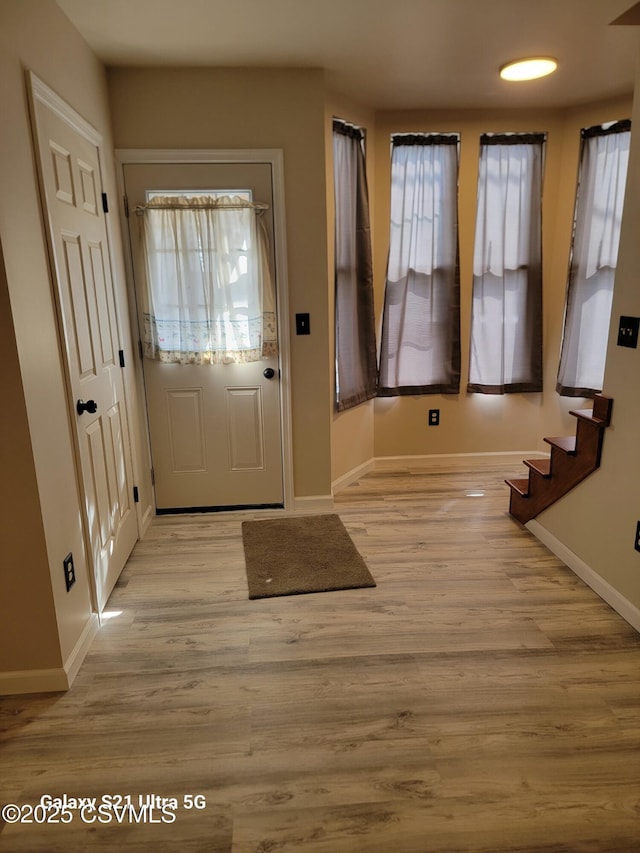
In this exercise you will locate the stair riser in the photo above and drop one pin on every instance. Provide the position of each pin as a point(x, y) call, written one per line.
point(602, 407)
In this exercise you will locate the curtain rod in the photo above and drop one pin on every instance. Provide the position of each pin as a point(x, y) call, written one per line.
point(253, 205)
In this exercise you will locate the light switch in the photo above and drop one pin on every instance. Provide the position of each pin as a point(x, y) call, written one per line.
point(628, 332)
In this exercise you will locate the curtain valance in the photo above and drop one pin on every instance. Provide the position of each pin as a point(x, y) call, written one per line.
point(425, 139)
point(209, 296)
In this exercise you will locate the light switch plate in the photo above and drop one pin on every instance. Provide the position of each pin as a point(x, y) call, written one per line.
point(628, 332)
point(303, 324)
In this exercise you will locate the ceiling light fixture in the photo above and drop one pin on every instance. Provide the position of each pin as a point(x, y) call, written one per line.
point(528, 69)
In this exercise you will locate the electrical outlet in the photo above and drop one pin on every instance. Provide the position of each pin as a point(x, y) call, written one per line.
point(69, 571)
point(434, 417)
point(637, 542)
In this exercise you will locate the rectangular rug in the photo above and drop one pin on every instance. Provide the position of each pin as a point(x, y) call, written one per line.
point(309, 553)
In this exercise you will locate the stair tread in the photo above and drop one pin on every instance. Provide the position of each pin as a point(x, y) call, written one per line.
point(519, 486)
point(587, 415)
point(542, 466)
point(565, 442)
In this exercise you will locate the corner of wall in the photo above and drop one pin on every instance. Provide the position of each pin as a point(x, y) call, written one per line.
point(595, 523)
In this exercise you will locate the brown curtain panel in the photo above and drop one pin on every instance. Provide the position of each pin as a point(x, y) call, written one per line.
point(355, 341)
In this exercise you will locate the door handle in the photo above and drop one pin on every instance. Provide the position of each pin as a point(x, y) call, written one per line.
point(268, 373)
point(90, 406)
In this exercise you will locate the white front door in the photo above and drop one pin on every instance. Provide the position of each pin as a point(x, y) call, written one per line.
point(215, 430)
point(69, 159)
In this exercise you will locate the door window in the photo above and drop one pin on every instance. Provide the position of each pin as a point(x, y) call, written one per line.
point(209, 295)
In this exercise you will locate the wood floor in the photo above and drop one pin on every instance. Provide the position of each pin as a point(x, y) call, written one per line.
point(480, 698)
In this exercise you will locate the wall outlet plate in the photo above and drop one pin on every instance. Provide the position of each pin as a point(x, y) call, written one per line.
point(434, 417)
point(637, 542)
point(69, 571)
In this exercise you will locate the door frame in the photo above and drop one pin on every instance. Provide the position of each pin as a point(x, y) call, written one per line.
point(275, 159)
point(39, 92)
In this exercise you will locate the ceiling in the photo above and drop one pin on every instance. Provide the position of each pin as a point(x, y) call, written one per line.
point(387, 54)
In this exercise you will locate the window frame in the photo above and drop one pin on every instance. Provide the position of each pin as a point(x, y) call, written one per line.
point(517, 365)
point(422, 270)
point(571, 362)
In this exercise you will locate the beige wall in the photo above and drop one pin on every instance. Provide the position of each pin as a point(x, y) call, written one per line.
point(25, 580)
point(257, 108)
point(476, 422)
point(352, 432)
point(597, 520)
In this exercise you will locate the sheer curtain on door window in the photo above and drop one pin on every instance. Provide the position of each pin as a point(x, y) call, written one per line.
point(355, 341)
point(209, 296)
point(420, 348)
point(506, 325)
point(598, 213)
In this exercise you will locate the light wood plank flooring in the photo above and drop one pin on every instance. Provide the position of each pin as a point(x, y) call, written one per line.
point(480, 698)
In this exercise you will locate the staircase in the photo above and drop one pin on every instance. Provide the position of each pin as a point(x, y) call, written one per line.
point(571, 460)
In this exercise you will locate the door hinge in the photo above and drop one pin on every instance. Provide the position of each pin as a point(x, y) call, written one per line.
point(121, 357)
point(105, 203)
point(140, 352)
point(125, 202)
point(136, 495)
point(153, 476)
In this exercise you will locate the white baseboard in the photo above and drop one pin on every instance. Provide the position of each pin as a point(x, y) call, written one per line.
point(351, 476)
point(312, 503)
point(33, 681)
point(383, 461)
point(51, 680)
point(598, 584)
point(74, 661)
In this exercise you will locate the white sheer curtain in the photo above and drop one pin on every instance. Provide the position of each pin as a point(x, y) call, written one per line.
point(209, 297)
point(598, 214)
point(420, 349)
point(506, 326)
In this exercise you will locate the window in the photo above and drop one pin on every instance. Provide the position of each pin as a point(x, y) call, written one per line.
point(506, 325)
point(355, 342)
point(209, 297)
point(420, 349)
point(598, 212)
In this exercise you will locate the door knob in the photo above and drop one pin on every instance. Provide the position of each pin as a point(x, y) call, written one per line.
point(90, 406)
point(268, 373)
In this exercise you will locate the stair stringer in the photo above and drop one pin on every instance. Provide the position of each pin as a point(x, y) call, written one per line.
point(572, 459)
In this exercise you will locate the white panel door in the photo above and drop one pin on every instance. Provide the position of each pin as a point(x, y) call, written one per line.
point(70, 173)
point(215, 430)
